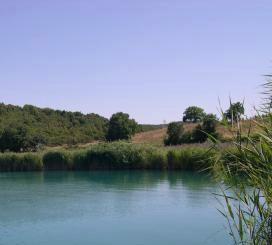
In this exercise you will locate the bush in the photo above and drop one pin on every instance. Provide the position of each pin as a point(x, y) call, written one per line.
point(187, 138)
point(208, 128)
point(175, 131)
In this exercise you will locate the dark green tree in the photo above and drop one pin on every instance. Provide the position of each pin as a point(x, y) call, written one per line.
point(208, 128)
point(193, 114)
point(175, 131)
point(121, 127)
point(235, 111)
point(19, 138)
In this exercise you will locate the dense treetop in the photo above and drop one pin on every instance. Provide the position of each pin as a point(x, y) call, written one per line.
point(193, 114)
point(121, 127)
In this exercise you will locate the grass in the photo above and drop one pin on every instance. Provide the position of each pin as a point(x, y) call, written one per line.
point(20, 162)
point(193, 159)
point(109, 156)
point(156, 137)
point(57, 160)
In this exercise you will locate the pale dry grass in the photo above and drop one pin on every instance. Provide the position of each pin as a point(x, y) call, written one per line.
point(156, 137)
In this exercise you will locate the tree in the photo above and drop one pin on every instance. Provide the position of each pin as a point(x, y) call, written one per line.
point(193, 114)
point(121, 127)
point(235, 111)
point(19, 138)
point(209, 123)
point(208, 127)
point(175, 131)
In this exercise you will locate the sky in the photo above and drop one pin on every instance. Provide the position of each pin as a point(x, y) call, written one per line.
point(149, 58)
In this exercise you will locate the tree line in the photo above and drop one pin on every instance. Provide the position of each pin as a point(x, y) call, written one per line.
point(206, 124)
point(29, 128)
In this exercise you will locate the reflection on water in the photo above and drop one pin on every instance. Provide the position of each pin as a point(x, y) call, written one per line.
point(117, 207)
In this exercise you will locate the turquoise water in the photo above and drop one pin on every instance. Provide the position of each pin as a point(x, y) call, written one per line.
point(116, 208)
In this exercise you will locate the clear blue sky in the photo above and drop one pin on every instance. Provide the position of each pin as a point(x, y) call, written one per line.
point(150, 58)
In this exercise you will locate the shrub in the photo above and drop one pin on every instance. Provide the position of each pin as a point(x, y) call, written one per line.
point(175, 131)
point(208, 128)
point(187, 138)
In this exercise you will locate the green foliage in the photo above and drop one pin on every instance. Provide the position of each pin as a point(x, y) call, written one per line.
point(156, 159)
point(177, 136)
point(19, 139)
point(57, 160)
point(246, 170)
point(235, 111)
point(117, 155)
point(208, 128)
point(20, 162)
point(190, 159)
point(108, 156)
point(175, 131)
point(121, 127)
point(122, 155)
point(193, 114)
point(53, 127)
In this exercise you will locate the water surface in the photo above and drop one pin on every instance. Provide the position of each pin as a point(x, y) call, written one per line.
point(109, 208)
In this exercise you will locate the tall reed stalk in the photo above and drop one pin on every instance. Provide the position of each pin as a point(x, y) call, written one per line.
point(247, 175)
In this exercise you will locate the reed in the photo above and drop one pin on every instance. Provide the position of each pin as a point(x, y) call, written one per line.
point(190, 159)
point(108, 156)
point(57, 160)
point(20, 162)
point(118, 155)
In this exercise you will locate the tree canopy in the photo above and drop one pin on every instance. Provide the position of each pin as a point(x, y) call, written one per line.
point(193, 114)
point(56, 127)
point(121, 127)
point(235, 111)
point(19, 139)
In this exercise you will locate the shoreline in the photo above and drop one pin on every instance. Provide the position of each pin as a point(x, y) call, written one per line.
point(110, 156)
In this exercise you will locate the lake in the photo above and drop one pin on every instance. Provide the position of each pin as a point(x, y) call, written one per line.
point(109, 208)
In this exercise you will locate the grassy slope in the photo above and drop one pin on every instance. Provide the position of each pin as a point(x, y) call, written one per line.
point(156, 137)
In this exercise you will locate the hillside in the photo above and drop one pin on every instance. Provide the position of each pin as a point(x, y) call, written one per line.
point(54, 126)
point(58, 127)
point(156, 137)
